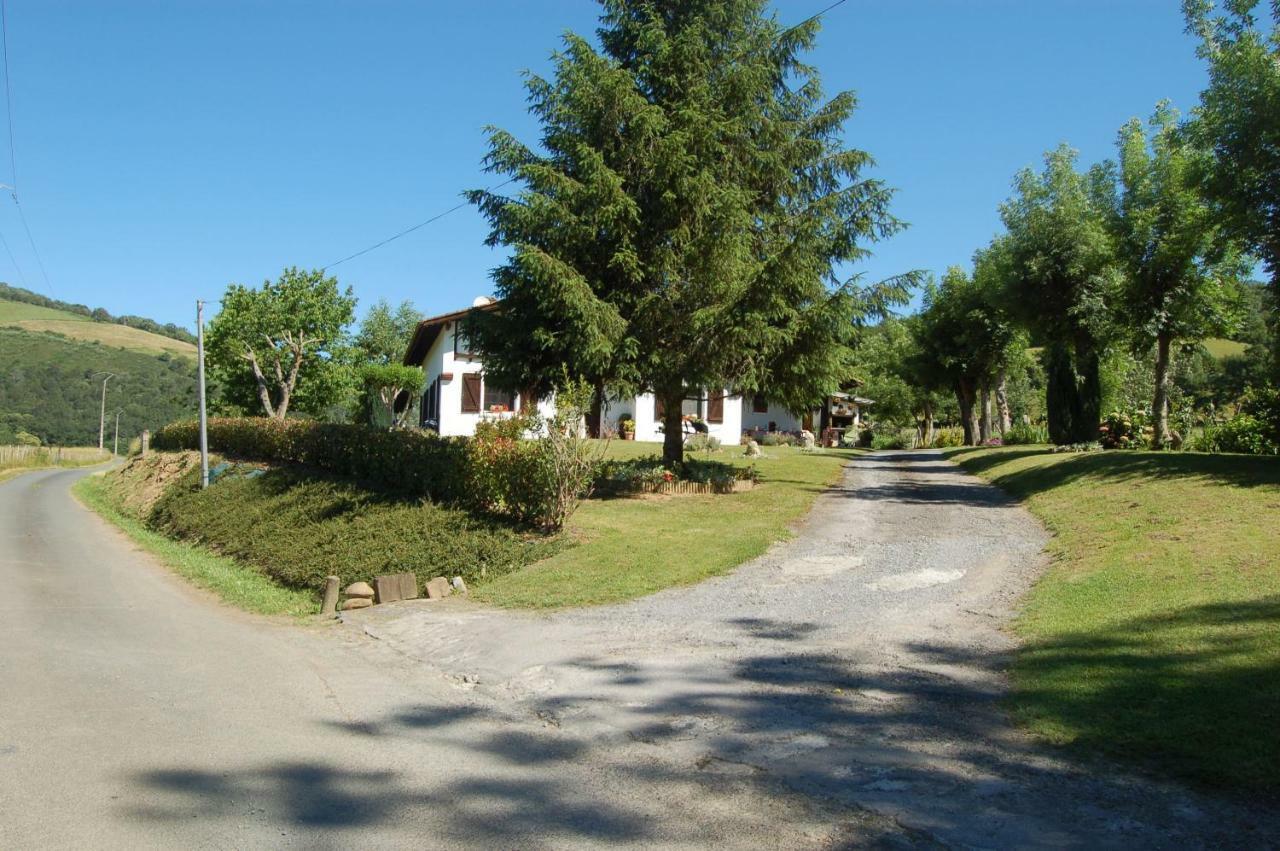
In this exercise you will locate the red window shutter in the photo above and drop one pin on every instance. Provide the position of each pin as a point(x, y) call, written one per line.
point(471, 393)
point(715, 406)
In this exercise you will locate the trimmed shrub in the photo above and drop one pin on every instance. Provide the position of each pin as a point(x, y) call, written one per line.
point(414, 463)
point(297, 528)
point(702, 443)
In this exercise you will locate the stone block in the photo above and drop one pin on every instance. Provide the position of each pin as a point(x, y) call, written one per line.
point(438, 588)
point(359, 589)
point(459, 585)
point(395, 586)
point(356, 603)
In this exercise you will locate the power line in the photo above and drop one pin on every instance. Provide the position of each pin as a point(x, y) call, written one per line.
point(13, 155)
point(457, 207)
point(410, 230)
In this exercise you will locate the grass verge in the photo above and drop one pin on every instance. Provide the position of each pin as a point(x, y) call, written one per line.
point(1155, 634)
point(630, 547)
point(234, 582)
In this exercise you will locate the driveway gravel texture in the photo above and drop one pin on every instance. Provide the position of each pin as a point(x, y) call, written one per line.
point(843, 690)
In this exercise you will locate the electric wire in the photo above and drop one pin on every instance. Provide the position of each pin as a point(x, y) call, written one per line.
point(13, 156)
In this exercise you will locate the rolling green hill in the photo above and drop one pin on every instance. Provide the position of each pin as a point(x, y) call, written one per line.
point(38, 318)
point(48, 387)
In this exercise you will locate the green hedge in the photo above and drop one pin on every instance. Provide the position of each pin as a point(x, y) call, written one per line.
point(406, 462)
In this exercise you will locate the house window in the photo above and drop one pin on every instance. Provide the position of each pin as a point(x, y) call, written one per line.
point(759, 404)
point(431, 405)
point(715, 406)
point(471, 392)
point(496, 398)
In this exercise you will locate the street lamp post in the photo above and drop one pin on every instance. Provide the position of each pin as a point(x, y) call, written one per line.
point(102, 413)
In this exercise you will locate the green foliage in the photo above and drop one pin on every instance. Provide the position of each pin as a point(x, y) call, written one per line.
point(407, 463)
point(531, 481)
point(617, 476)
point(384, 333)
point(1255, 430)
point(385, 382)
point(283, 345)
point(944, 438)
point(895, 438)
point(685, 218)
point(173, 332)
point(1239, 120)
point(1060, 274)
point(48, 388)
point(298, 528)
point(26, 438)
point(965, 339)
point(778, 438)
point(895, 374)
point(705, 443)
point(1025, 434)
point(1125, 430)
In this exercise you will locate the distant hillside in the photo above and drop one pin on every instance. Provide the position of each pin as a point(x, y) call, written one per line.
point(96, 314)
point(48, 386)
point(34, 317)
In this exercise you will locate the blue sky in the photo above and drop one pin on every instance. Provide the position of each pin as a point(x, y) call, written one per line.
point(167, 148)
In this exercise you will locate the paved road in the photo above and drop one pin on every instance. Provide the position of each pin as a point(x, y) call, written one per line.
point(837, 692)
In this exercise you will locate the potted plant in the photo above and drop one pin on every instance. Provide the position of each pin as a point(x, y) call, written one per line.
point(626, 427)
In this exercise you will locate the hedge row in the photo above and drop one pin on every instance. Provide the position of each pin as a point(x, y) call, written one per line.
point(408, 462)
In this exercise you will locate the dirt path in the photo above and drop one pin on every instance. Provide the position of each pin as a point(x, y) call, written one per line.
point(859, 666)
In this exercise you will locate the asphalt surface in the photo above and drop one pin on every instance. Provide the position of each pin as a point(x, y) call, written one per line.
point(840, 691)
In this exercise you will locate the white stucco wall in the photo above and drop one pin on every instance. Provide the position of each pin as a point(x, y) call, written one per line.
point(441, 360)
point(783, 419)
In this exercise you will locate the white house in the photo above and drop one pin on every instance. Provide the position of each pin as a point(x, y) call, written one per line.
point(456, 395)
point(841, 412)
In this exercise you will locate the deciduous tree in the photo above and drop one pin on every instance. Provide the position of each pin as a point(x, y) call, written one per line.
point(280, 346)
point(1063, 276)
point(1181, 282)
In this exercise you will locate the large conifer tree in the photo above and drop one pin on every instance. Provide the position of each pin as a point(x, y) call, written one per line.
point(687, 217)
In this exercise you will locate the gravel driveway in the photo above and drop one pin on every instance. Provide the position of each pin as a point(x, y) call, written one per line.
point(859, 666)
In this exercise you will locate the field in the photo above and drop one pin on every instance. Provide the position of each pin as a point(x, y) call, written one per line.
point(31, 317)
point(15, 460)
point(1155, 635)
point(631, 547)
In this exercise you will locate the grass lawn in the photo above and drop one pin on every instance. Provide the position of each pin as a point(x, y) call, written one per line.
point(236, 583)
point(634, 546)
point(1155, 635)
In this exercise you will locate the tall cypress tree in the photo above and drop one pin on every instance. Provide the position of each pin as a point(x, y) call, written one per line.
point(689, 216)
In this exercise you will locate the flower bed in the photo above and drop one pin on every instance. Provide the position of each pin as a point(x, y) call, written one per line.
point(695, 476)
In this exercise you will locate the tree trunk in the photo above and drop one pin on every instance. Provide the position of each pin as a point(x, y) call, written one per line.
point(928, 424)
point(673, 430)
point(984, 421)
point(1002, 402)
point(966, 396)
point(1160, 436)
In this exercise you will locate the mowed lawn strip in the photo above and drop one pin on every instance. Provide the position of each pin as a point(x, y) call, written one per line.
point(1155, 634)
point(629, 547)
point(235, 582)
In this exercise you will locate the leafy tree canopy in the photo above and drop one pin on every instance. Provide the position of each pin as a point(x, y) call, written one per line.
point(283, 345)
point(384, 334)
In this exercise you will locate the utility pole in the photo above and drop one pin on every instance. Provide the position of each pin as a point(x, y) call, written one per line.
point(115, 449)
point(204, 422)
point(102, 414)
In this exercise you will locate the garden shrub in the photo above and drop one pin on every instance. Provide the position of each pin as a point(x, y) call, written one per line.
point(948, 437)
point(778, 438)
point(702, 443)
point(896, 438)
point(1121, 430)
point(636, 474)
point(534, 481)
point(1023, 434)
